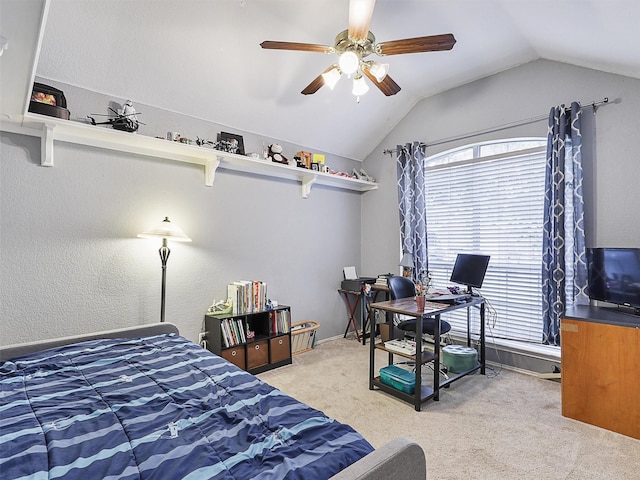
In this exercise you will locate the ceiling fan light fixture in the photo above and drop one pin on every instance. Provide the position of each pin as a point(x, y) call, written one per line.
point(378, 70)
point(360, 87)
point(331, 77)
point(349, 62)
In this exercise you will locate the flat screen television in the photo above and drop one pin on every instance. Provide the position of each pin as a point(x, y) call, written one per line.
point(614, 276)
point(469, 270)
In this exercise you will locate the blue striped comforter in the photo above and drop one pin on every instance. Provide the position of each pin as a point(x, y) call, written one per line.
point(158, 408)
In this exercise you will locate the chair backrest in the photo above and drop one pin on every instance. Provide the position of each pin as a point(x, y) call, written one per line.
point(401, 287)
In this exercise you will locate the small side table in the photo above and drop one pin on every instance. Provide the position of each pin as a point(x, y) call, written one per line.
point(352, 299)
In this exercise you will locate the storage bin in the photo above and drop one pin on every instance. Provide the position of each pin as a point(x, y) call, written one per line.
point(303, 336)
point(398, 378)
point(459, 358)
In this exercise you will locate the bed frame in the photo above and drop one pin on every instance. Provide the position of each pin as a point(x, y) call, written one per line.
point(400, 458)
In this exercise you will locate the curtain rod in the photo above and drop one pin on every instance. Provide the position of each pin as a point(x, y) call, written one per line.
point(520, 123)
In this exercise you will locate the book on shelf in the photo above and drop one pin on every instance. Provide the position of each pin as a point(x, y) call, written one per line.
point(232, 332)
point(280, 321)
point(247, 296)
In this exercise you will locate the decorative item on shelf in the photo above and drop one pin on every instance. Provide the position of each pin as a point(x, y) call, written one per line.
point(165, 230)
point(305, 158)
point(222, 307)
point(125, 118)
point(201, 142)
point(318, 158)
point(230, 143)
point(365, 176)
point(274, 153)
point(47, 100)
point(315, 166)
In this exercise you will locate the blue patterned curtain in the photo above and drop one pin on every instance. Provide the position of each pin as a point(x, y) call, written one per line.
point(411, 203)
point(564, 267)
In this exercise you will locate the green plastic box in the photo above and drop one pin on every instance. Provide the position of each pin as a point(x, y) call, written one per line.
point(398, 378)
point(459, 358)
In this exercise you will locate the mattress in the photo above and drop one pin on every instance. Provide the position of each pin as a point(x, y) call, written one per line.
point(158, 407)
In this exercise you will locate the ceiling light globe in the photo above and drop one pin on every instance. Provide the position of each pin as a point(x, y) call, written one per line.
point(360, 87)
point(349, 62)
point(379, 70)
point(331, 77)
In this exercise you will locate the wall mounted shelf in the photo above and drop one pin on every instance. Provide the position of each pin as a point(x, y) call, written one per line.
point(51, 129)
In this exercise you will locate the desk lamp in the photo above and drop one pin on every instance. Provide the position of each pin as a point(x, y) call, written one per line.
point(407, 264)
point(165, 230)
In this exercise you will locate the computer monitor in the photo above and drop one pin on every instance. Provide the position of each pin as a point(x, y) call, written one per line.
point(469, 270)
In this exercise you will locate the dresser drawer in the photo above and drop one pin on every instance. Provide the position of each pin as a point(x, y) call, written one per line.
point(280, 348)
point(235, 355)
point(257, 354)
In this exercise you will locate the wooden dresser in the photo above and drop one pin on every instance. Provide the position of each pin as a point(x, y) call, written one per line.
point(601, 368)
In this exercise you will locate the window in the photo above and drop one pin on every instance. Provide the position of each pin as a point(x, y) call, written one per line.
point(488, 199)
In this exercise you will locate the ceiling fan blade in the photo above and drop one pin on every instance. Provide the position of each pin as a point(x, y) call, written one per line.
point(386, 86)
point(305, 47)
point(360, 14)
point(431, 43)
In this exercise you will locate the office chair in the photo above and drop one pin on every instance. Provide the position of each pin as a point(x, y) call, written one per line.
point(403, 287)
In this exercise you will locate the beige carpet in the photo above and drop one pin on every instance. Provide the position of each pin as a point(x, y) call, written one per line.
point(499, 426)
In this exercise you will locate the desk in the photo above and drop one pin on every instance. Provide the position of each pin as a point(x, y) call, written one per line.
point(407, 306)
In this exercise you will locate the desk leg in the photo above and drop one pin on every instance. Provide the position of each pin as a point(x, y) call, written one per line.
point(482, 341)
point(436, 359)
point(372, 352)
point(364, 318)
point(417, 399)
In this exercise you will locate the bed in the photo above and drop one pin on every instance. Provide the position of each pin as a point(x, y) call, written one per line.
point(145, 403)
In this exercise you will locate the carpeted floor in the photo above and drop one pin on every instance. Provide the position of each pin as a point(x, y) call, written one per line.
point(504, 425)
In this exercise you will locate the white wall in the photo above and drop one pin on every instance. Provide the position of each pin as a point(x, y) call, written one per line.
point(70, 261)
point(611, 146)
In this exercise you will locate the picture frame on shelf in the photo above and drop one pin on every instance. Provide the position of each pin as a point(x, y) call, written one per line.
point(315, 166)
point(231, 143)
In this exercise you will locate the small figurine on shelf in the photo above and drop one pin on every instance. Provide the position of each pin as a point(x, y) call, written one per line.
point(274, 153)
point(220, 308)
point(125, 118)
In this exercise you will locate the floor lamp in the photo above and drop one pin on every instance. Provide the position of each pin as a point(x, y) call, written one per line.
point(165, 230)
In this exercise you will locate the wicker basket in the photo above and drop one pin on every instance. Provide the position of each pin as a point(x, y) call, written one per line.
point(303, 336)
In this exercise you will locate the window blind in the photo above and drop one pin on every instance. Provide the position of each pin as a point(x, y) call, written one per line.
point(493, 207)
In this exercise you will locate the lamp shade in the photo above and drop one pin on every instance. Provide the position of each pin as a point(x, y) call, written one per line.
point(407, 260)
point(331, 77)
point(360, 87)
point(166, 229)
point(379, 70)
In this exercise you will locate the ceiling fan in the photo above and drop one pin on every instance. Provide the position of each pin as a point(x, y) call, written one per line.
point(355, 44)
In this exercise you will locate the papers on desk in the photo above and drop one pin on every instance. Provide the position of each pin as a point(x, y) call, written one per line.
point(349, 273)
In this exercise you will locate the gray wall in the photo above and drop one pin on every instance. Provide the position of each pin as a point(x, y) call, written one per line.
point(611, 146)
point(70, 261)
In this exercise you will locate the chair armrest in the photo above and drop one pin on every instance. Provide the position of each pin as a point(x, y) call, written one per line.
point(400, 458)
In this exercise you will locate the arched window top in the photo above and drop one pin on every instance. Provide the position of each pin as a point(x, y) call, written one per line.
point(483, 150)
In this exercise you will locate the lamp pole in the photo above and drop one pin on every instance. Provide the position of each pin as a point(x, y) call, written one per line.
point(165, 230)
point(164, 256)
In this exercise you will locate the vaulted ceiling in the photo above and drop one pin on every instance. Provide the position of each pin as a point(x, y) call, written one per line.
point(203, 58)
